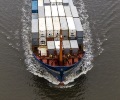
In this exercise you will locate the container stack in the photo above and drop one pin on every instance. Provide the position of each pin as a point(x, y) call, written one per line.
point(35, 34)
point(79, 30)
point(66, 2)
point(53, 2)
point(46, 2)
point(67, 11)
point(64, 27)
point(42, 24)
point(74, 46)
point(59, 2)
point(51, 47)
point(54, 11)
point(56, 25)
point(66, 46)
point(61, 11)
point(71, 26)
point(49, 18)
point(40, 2)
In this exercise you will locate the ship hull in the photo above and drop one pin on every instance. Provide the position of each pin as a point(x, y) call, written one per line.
point(62, 72)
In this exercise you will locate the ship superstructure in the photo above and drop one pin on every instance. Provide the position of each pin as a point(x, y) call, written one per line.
point(57, 36)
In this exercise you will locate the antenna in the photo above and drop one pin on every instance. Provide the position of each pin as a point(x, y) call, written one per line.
point(61, 53)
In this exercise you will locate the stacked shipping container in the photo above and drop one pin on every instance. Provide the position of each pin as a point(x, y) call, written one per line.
point(56, 25)
point(59, 2)
point(40, 2)
point(74, 12)
point(49, 26)
point(66, 46)
point(42, 31)
point(35, 34)
point(61, 11)
point(47, 11)
point(79, 30)
point(67, 11)
point(51, 16)
point(54, 11)
point(46, 2)
point(64, 27)
point(71, 26)
point(65, 2)
point(53, 2)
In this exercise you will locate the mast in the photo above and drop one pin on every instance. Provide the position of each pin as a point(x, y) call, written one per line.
point(61, 51)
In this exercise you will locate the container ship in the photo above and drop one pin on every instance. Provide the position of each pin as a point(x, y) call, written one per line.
point(57, 37)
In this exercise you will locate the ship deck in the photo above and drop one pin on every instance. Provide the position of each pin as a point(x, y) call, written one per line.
point(53, 60)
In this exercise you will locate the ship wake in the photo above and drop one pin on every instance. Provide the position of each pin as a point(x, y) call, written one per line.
point(34, 67)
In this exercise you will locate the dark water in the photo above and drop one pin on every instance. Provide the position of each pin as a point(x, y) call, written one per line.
point(100, 83)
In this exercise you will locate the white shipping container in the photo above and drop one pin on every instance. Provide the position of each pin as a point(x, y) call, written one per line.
point(34, 15)
point(51, 47)
point(42, 27)
point(43, 51)
point(34, 25)
point(41, 11)
point(79, 28)
point(66, 46)
point(46, 2)
point(59, 2)
point(65, 2)
point(70, 2)
point(54, 11)
point(67, 11)
point(64, 27)
point(63, 23)
point(34, 30)
point(74, 46)
point(49, 26)
point(74, 11)
point(61, 11)
point(71, 26)
point(47, 11)
point(53, 2)
point(40, 2)
point(56, 25)
point(42, 41)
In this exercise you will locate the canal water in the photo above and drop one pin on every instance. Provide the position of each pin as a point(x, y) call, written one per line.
point(19, 77)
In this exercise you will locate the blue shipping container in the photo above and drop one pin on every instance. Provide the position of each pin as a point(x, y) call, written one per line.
point(34, 6)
